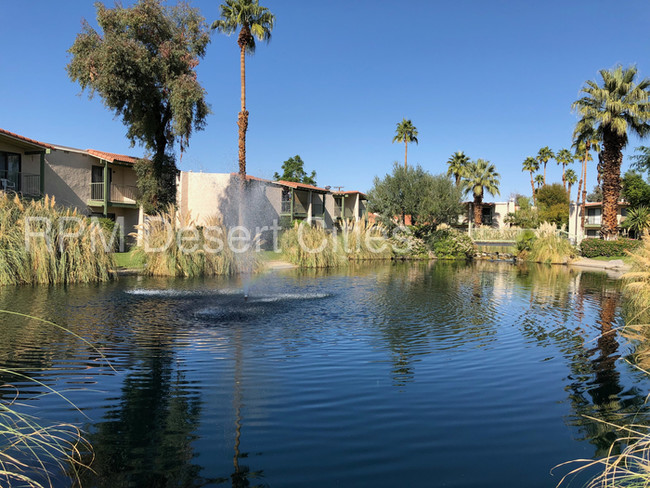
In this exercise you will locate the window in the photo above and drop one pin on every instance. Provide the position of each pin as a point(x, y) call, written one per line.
point(9, 171)
point(593, 216)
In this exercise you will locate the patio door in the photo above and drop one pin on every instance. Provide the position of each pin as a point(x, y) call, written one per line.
point(97, 183)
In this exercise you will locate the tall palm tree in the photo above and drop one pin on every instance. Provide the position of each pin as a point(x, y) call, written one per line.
point(584, 141)
point(406, 132)
point(539, 179)
point(564, 157)
point(616, 107)
point(458, 163)
point(253, 22)
point(544, 156)
point(570, 178)
point(481, 177)
point(532, 165)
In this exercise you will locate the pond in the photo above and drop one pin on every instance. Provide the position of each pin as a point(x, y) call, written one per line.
point(415, 374)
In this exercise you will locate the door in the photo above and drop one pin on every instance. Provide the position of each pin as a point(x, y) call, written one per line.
point(10, 171)
point(97, 183)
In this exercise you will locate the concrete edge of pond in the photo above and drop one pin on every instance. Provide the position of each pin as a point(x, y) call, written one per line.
point(271, 265)
point(615, 268)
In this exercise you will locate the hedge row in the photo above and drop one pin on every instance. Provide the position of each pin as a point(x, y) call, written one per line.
point(592, 248)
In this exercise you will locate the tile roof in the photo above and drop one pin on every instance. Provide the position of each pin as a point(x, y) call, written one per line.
point(301, 186)
point(354, 192)
point(25, 139)
point(111, 157)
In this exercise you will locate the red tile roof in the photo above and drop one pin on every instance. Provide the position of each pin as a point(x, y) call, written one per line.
point(301, 186)
point(26, 139)
point(111, 157)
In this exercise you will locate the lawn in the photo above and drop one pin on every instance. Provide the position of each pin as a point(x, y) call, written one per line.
point(128, 260)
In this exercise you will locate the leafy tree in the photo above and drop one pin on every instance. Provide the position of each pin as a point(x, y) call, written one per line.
point(142, 63)
point(635, 190)
point(253, 22)
point(525, 216)
point(596, 195)
point(415, 192)
point(458, 163)
point(293, 170)
point(406, 132)
point(614, 108)
point(570, 178)
point(637, 220)
point(531, 165)
point(440, 200)
point(481, 177)
point(553, 202)
point(564, 157)
point(544, 156)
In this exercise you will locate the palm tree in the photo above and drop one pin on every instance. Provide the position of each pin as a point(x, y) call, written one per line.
point(617, 107)
point(564, 157)
point(253, 22)
point(458, 163)
point(570, 178)
point(532, 165)
point(481, 176)
point(637, 220)
point(544, 156)
point(406, 132)
point(539, 179)
point(584, 142)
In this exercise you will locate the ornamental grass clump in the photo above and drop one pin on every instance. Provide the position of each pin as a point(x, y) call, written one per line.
point(173, 245)
point(41, 243)
point(311, 247)
point(362, 241)
point(550, 248)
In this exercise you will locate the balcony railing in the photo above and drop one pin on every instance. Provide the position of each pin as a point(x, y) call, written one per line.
point(23, 183)
point(117, 193)
point(593, 220)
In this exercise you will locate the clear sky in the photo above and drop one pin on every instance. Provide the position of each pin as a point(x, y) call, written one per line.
point(495, 79)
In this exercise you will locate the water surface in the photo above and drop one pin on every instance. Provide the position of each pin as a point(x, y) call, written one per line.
point(416, 374)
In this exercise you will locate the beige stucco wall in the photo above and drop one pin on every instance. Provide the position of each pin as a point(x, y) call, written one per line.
point(67, 177)
point(205, 195)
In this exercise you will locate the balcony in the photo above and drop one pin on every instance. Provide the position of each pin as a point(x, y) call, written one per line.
point(28, 185)
point(593, 220)
point(118, 194)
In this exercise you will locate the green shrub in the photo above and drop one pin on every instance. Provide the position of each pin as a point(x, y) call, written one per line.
point(592, 248)
point(449, 243)
point(525, 241)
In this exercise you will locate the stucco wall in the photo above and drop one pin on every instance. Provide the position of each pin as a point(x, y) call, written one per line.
point(68, 176)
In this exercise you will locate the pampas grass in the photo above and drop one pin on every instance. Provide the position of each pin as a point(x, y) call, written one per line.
point(178, 247)
point(314, 247)
point(81, 259)
point(549, 248)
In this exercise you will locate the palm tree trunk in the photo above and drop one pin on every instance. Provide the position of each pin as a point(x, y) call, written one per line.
point(564, 177)
point(544, 174)
point(478, 209)
point(532, 185)
point(583, 183)
point(612, 157)
point(242, 120)
point(569, 192)
point(406, 147)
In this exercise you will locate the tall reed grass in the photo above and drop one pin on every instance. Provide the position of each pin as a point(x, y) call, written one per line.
point(549, 247)
point(176, 246)
point(65, 260)
point(314, 247)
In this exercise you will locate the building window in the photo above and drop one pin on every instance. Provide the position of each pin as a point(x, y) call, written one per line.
point(593, 216)
point(9, 171)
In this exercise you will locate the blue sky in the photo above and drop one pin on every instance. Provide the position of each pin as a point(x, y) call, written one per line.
point(495, 79)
